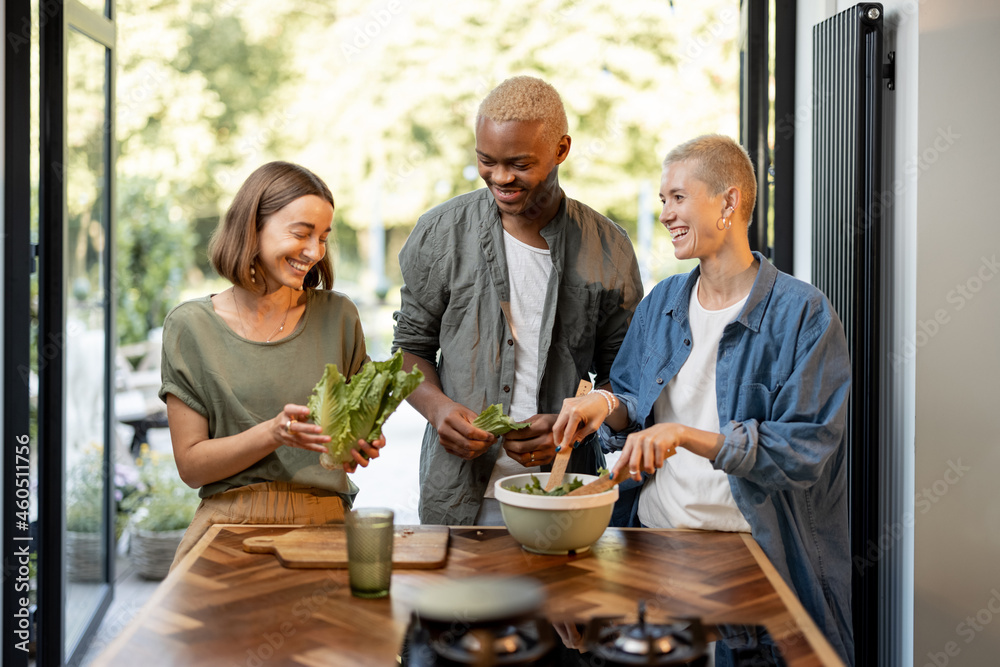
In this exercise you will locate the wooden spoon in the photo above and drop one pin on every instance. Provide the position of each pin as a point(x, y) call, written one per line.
point(562, 456)
point(606, 482)
point(601, 484)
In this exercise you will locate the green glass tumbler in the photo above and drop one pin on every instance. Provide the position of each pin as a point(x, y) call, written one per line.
point(369, 551)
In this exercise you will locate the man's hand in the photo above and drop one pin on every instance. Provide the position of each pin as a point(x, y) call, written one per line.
point(456, 433)
point(452, 420)
point(533, 445)
point(571, 635)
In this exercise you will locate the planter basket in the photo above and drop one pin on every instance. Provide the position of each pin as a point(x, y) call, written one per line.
point(152, 552)
point(83, 556)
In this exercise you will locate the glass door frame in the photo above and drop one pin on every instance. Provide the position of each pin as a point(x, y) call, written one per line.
point(767, 115)
point(57, 19)
point(16, 299)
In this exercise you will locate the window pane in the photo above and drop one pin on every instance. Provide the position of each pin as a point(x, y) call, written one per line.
point(84, 177)
point(98, 6)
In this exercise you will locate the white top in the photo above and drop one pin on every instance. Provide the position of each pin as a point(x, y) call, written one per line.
point(687, 492)
point(529, 270)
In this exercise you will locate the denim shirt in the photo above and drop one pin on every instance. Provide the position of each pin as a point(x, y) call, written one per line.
point(454, 311)
point(783, 376)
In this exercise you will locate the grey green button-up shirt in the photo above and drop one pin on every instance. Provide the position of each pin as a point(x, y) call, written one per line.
point(454, 312)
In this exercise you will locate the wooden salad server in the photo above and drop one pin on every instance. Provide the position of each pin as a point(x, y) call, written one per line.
point(601, 484)
point(606, 482)
point(562, 456)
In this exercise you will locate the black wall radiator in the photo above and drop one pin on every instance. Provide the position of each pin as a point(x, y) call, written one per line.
point(847, 203)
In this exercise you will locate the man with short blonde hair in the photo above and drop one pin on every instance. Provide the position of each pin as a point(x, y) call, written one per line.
point(526, 98)
point(512, 294)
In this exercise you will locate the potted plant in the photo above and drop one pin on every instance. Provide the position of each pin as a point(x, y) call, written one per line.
point(162, 515)
point(84, 507)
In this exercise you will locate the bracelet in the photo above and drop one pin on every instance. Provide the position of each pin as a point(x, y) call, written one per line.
point(610, 398)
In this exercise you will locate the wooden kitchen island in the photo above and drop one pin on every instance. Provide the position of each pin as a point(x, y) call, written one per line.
point(225, 607)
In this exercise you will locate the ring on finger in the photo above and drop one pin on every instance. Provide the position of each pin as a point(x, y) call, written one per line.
point(288, 426)
point(531, 457)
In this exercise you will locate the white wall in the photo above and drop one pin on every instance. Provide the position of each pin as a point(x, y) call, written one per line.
point(957, 346)
point(901, 22)
point(941, 559)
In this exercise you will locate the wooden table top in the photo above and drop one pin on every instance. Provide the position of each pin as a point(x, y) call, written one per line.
point(223, 606)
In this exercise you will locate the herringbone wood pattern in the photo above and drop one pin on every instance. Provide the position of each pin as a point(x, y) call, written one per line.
point(224, 606)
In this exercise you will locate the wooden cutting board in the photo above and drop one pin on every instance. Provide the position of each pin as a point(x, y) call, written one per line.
point(413, 547)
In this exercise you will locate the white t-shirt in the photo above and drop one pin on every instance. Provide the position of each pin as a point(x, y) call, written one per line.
point(687, 492)
point(529, 270)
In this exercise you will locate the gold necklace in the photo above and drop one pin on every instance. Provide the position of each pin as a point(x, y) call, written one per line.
point(281, 327)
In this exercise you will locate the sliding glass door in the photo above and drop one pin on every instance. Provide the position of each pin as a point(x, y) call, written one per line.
point(75, 326)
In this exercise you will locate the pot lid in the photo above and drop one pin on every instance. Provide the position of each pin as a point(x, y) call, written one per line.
point(479, 599)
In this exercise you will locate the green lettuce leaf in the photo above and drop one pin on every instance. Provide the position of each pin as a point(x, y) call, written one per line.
point(493, 420)
point(349, 411)
point(535, 488)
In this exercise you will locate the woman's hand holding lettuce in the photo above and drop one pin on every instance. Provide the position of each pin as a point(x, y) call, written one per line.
point(349, 411)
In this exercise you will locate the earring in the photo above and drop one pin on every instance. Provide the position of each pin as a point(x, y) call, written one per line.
point(721, 224)
point(729, 222)
point(253, 273)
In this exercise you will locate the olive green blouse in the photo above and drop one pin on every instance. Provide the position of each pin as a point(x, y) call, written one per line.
point(237, 383)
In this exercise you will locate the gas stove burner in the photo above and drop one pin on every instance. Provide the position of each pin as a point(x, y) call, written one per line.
point(681, 642)
point(480, 621)
point(505, 640)
point(522, 641)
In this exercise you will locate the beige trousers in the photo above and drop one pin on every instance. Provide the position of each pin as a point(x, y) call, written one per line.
point(265, 503)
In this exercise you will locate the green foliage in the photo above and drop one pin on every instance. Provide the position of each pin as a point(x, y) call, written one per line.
point(169, 504)
point(236, 68)
point(85, 493)
point(381, 102)
point(154, 255)
point(535, 488)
